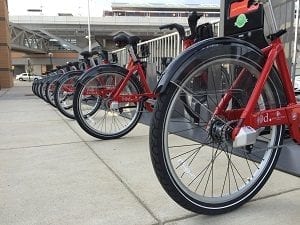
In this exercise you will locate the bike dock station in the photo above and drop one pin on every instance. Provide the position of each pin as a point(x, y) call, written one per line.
point(53, 178)
point(254, 31)
point(53, 172)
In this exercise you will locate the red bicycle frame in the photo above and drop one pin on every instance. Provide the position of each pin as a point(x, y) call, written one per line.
point(134, 67)
point(147, 93)
point(288, 115)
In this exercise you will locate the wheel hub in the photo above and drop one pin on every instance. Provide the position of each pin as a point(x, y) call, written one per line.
point(220, 131)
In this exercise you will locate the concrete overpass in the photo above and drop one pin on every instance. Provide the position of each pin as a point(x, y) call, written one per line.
point(26, 40)
point(74, 30)
point(65, 36)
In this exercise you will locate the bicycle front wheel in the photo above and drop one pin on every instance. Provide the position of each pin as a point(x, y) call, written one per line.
point(64, 93)
point(195, 160)
point(95, 111)
point(50, 89)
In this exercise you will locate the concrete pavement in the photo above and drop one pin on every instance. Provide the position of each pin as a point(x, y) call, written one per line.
point(52, 172)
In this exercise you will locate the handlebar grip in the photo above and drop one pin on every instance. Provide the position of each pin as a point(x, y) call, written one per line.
point(167, 26)
point(178, 27)
point(192, 21)
point(252, 2)
point(194, 17)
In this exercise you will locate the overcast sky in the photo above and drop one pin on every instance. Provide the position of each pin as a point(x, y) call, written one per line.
point(77, 7)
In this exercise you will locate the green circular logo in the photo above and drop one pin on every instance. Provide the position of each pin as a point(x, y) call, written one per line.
point(241, 21)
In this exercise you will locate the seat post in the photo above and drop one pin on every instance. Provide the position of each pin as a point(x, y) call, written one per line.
point(132, 53)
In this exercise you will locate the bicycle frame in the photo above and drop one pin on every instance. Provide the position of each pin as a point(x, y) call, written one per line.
point(289, 115)
point(134, 66)
point(68, 88)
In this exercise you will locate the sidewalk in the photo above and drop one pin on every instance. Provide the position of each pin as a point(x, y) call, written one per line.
point(51, 172)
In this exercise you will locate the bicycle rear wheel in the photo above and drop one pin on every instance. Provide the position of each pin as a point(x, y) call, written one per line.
point(50, 89)
point(42, 89)
point(196, 162)
point(64, 93)
point(97, 114)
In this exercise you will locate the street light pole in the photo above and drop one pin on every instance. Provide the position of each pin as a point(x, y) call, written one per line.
point(89, 27)
point(50, 57)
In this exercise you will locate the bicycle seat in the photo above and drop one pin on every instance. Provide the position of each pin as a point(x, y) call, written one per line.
point(123, 39)
point(76, 64)
point(87, 54)
point(64, 66)
point(104, 54)
point(53, 70)
point(70, 63)
point(134, 40)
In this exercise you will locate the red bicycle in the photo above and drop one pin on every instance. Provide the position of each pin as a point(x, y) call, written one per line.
point(64, 86)
point(119, 95)
point(221, 161)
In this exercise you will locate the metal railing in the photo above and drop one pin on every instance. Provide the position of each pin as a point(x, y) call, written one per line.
point(167, 46)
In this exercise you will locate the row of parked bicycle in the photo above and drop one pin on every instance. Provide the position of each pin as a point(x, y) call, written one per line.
point(106, 100)
point(219, 117)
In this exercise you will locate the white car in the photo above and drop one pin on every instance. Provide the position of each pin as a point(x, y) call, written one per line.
point(25, 76)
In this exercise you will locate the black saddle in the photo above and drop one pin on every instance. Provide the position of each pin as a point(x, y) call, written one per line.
point(87, 54)
point(70, 64)
point(123, 39)
point(104, 54)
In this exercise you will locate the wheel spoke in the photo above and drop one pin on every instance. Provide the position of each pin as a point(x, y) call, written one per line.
point(192, 148)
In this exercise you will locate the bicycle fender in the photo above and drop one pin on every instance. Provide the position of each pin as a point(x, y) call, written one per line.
point(100, 69)
point(181, 63)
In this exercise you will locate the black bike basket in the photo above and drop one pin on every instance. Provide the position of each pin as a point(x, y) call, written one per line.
point(245, 21)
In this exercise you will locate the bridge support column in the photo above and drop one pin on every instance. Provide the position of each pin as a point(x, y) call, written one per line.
point(6, 79)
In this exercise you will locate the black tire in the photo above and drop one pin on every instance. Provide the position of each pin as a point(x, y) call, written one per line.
point(36, 88)
point(33, 87)
point(96, 115)
point(50, 89)
point(42, 89)
point(196, 163)
point(39, 87)
point(64, 98)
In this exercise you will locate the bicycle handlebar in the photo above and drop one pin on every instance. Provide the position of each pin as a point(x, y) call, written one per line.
point(178, 27)
point(192, 21)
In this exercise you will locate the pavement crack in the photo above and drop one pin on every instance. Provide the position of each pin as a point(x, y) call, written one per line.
point(39, 146)
point(159, 222)
point(181, 218)
point(276, 194)
point(4, 92)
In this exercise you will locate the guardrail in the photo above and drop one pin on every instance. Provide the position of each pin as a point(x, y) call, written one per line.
point(166, 46)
